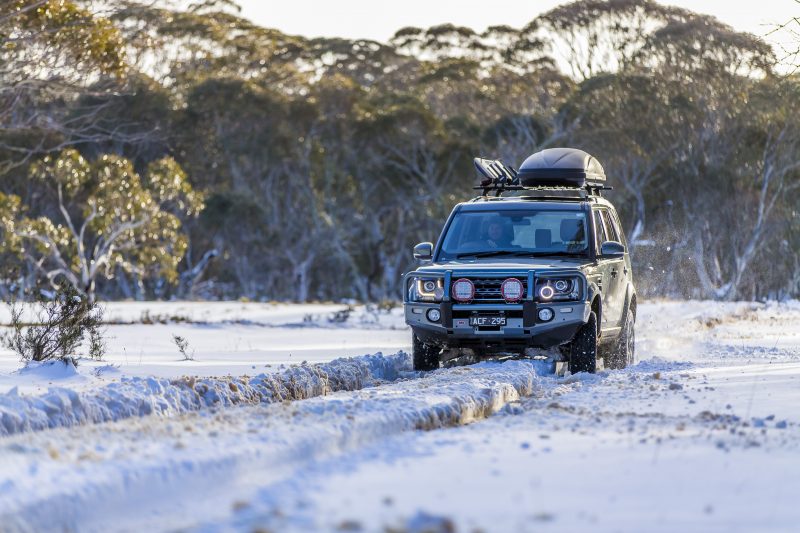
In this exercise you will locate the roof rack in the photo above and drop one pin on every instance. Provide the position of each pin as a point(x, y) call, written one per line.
point(558, 193)
point(553, 173)
point(546, 193)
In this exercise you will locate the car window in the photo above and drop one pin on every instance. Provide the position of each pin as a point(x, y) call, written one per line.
point(611, 230)
point(618, 227)
point(536, 231)
point(599, 230)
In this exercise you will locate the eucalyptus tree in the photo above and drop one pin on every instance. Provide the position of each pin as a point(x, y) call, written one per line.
point(590, 37)
point(324, 159)
point(110, 219)
point(760, 189)
point(51, 53)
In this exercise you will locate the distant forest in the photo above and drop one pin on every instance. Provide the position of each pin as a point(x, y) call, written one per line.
point(149, 151)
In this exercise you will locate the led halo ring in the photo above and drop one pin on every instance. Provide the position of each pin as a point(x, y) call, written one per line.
point(463, 290)
point(561, 285)
point(429, 285)
point(547, 292)
point(509, 283)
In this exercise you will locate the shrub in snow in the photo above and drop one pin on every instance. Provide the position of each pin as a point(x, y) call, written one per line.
point(59, 327)
point(183, 347)
point(341, 316)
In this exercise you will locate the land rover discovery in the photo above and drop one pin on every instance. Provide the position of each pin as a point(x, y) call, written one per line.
point(537, 263)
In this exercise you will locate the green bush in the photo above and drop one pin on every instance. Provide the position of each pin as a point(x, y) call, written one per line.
point(58, 328)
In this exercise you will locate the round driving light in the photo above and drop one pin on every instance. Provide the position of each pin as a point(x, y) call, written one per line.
point(429, 286)
point(545, 315)
point(561, 285)
point(463, 290)
point(434, 315)
point(546, 292)
point(511, 289)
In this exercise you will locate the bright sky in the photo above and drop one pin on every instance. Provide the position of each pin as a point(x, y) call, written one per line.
point(374, 19)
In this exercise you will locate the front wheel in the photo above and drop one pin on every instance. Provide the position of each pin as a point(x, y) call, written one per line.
point(583, 348)
point(426, 357)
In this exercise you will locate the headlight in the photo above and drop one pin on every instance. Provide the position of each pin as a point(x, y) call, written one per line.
point(512, 290)
point(426, 289)
point(559, 289)
point(463, 290)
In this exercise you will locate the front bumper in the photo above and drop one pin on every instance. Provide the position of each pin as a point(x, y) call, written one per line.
point(523, 328)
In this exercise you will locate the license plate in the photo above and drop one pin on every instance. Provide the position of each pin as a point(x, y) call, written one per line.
point(487, 321)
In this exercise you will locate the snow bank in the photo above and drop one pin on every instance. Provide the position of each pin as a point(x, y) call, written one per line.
point(52, 370)
point(177, 481)
point(145, 396)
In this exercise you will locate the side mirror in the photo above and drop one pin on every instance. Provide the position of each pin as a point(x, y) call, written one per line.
point(612, 249)
point(423, 251)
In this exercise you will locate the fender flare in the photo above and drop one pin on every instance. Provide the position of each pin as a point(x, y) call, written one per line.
point(595, 295)
point(630, 301)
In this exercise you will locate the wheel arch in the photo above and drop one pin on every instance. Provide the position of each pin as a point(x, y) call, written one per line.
point(597, 307)
point(630, 303)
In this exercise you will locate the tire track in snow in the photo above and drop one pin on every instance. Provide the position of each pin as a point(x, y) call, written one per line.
point(165, 474)
point(136, 397)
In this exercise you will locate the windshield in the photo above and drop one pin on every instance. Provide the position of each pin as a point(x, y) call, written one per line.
point(515, 233)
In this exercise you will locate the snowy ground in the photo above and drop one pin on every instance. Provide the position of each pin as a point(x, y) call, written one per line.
point(702, 435)
point(224, 338)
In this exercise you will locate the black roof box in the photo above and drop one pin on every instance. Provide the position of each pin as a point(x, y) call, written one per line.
point(561, 167)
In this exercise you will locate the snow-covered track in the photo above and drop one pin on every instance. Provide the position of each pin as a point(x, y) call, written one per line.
point(135, 397)
point(140, 473)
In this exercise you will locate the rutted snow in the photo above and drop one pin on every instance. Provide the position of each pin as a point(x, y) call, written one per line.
point(172, 466)
point(611, 455)
point(62, 406)
point(702, 435)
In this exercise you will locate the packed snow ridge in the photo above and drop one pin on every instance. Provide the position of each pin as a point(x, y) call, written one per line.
point(135, 396)
point(263, 443)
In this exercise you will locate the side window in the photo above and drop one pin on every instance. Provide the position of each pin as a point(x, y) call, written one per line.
point(618, 227)
point(599, 230)
point(611, 230)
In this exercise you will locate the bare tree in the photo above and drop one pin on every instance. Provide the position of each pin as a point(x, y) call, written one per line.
point(779, 161)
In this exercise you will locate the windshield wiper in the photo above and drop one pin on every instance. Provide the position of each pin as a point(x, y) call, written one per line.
point(549, 254)
point(519, 253)
point(490, 253)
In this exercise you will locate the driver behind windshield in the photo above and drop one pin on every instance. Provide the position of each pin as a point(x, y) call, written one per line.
point(499, 234)
point(524, 232)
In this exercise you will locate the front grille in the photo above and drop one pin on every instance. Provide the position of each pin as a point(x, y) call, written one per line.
point(487, 290)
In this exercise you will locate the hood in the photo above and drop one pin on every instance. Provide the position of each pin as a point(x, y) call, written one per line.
point(505, 264)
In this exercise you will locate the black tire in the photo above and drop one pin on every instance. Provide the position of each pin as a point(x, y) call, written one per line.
point(426, 357)
point(623, 353)
point(583, 348)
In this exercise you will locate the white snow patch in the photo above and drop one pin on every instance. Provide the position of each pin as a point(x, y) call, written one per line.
point(51, 370)
point(248, 313)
